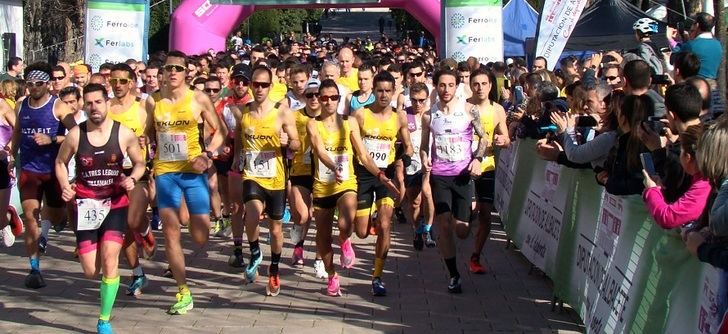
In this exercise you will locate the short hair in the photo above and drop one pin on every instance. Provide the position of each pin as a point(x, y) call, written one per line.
point(637, 73)
point(38, 66)
point(299, 68)
point(258, 48)
point(70, 90)
point(329, 83)
point(214, 79)
point(416, 64)
point(264, 69)
point(705, 21)
point(463, 66)
point(547, 91)
point(696, 82)
point(94, 87)
point(126, 68)
point(383, 77)
point(367, 67)
point(177, 54)
point(684, 101)
point(395, 68)
point(711, 152)
point(545, 61)
point(154, 64)
point(445, 71)
point(419, 87)
point(13, 61)
point(108, 66)
point(329, 63)
point(58, 68)
point(688, 63)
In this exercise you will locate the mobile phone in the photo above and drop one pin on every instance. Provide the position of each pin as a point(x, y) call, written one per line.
point(586, 121)
point(647, 164)
point(506, 84)
point(519, 97)
point(655, 123)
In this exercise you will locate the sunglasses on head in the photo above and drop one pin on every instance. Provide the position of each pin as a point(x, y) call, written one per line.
point(418, 74)
point(312, 95)
point(261, 84)
point(326, 98)
point(58, 78)
point(37, 83)
point(212, 90)
point(174, 68)
point(122, 81)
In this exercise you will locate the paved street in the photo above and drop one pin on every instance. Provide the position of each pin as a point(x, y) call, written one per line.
point(507, 299)
point(356, 23)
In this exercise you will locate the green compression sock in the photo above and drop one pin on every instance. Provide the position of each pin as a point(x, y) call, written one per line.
point(109, 287)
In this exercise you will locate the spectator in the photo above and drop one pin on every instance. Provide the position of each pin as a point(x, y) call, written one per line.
point(14, 69)
point(702, 43)
point(638, 78)
point(711, 107)
point(10, 92)
point(540, 63)
point(611, 74)
point(690, 205)
point(644, 28)
point(687, 64)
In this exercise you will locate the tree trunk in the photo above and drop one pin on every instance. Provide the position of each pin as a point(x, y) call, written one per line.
point(53, 35)
point(720, 34)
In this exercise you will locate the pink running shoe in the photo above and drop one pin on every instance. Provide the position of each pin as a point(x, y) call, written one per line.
point(298, 256)
point(348, 257)
point(333, 289)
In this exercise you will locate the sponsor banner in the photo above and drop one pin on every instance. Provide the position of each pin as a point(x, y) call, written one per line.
point(473, 28)
point(504, 175)
point(116, 30)
point(558, 19)
point(606, 256)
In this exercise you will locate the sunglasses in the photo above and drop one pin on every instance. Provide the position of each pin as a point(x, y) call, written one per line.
point(420, 101)
point(58, 78)
point(37, 83)
point(326, 98)
point(212, 90)
point(261, 84)
point(122, 81)
point(418, 74)
point(312, 95)
point(611, 78)
point(174, 68)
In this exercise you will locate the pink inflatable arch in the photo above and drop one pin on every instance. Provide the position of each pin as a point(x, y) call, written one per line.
point(198, 25)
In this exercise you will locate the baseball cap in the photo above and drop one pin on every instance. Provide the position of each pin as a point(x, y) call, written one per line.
point(509, 61)
point(241, 70)
point(312, 85)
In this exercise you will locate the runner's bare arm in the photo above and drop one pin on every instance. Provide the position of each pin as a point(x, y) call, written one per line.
point(478, 128)
point(425, 141)
point(501, 128)
point(67, 150)
point(208, 114)
point(8, 114)
point(149, 130)
point(317, 145)
point(404, 134)
point(289, 126)
point(134, 151)
point(237, 138)
point(64, 113)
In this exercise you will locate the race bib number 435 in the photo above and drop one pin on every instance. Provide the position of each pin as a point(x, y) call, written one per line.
point(172, 147)
point(92, 213)
point(379, 150)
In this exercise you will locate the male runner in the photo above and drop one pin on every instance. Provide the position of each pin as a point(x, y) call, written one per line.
point(381, 126)
point(493, 120)
point(129, 110)
point(174, 118)
point(364, 96)
point(333, 141)
point(451, 123)
point(220, 222)
point(297, 80)
point(100, 192)
point(263, 128)
point(39, 131)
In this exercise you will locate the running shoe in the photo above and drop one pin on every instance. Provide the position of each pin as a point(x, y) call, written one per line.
point(333, 289)
point(286, 216)
point(274, 285)
point(60, 227)
point(155, 222)
point(149, 245)
point(418, 241)
point(236, 259)
point(34, 280)
point(454, 285)
point(348, 257)
point(217, 227)
point(184, 303)
point(251, 271)
point(295, 233)
point(137, 284)
point(475, 266)
point(42, 244)
point(373, 223)
point(319, 268)
point(429, 240)
point(15, 221)
point(378, 288)
point(7, 236)
point(227, 227)
point(168, 273)
point(103, 327)
point(298, 255)
point(399, 215)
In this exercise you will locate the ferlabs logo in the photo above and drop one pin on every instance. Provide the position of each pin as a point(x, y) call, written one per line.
point(99, 42)
point(457, 20)
point(462, 39)
point(97, 23)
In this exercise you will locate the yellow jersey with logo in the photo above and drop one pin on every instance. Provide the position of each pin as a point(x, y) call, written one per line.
point(338, 146)
point(487, 120)
point(262, 156)
point(179, 137)
point(379, 137)
point(130, 119)
point(302, 158)
point(351, 82)
point(277, 92)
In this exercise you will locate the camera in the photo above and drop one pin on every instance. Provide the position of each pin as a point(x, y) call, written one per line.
point(661, 79)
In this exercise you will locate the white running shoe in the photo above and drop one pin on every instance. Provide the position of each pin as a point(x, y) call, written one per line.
point(320, 269)
point(7, 236)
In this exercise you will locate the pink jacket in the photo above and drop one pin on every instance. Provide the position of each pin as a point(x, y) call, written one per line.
point(687, 208)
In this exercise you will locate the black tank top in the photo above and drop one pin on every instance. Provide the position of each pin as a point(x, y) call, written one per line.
point(99, 169)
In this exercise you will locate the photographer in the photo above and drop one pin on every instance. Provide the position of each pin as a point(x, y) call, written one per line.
point(538, 125)
point(700, 41)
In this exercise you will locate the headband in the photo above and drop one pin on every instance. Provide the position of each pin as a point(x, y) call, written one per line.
point(36, 75)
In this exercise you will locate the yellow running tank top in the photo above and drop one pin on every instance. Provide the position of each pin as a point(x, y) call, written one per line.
point(130, 119)
point(262, 150)
point(302, 158)
point(351, 82)
point(487, 120)
point(178, 135)
point(379, 137)
point(338, 145)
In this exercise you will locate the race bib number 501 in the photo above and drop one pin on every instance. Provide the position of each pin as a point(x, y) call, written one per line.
point(172, 147)
point(92, 213)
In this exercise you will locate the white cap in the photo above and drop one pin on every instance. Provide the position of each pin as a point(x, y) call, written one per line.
point(509, 61)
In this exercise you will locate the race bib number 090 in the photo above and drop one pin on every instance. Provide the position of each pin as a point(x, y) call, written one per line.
point(379, 150)
point(92, 213)
point(172, 147)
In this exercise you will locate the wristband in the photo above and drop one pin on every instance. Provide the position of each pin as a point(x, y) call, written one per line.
point(54, 139)
point(379, 175)
point(480, 159)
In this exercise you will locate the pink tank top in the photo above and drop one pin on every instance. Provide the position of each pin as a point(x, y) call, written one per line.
point(451, 140)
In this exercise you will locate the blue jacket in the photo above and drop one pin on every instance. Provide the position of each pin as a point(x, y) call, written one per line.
point(708, 51)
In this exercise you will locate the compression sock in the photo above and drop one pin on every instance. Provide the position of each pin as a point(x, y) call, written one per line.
point(138, 271)
point(34, 263)
point(426, 228)
point(274, 260)
point(452, 267)
point(378, 267)
point(109, 287)
point(254, 249)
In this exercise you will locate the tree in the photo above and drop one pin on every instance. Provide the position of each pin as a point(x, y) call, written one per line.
point(53, 35)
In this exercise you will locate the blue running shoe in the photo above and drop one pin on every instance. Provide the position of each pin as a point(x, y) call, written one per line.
point(104, 327)
point(287, 216)
point(251, 271)
point(378, 288)
point(137, 284)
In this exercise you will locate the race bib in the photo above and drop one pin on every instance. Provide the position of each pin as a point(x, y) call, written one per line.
point(379, 150)
point(452, 147)
point(342, 164)
point(260, 164)
point(415, 166)
point(172, 147)
point(92, 212)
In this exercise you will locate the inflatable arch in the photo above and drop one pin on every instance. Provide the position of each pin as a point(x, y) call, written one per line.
point(198, 25)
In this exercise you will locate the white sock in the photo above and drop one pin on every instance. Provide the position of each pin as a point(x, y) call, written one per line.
point(144, 234)
point(138, 271)
point(45, 227)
